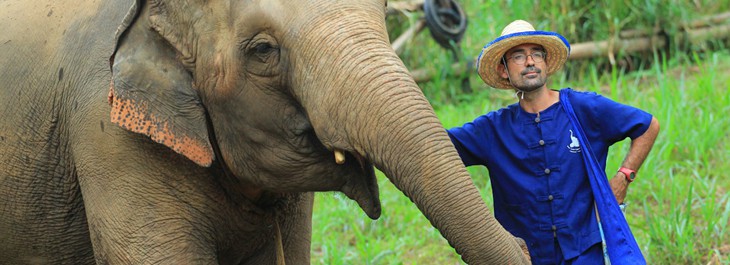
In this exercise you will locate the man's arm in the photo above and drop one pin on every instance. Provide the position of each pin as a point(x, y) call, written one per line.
point(638, 151)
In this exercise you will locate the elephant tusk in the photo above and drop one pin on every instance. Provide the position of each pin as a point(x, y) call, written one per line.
point(339, 157)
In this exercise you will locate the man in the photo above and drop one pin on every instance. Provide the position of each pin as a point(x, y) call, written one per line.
point(539, 180)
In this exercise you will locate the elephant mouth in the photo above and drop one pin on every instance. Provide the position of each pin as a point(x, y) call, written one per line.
point(363, 187)
point(351, 173)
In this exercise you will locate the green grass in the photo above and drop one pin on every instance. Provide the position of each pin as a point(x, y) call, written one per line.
point(679, 207)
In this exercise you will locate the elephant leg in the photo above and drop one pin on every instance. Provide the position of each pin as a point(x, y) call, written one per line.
point(134, 230)
point(296, 229)
point(117, 239)
point(289, 239)
point(144, 209)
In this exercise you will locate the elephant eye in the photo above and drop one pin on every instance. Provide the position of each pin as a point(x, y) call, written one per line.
point(264, 51)
point(263, 48)
point(261, 55)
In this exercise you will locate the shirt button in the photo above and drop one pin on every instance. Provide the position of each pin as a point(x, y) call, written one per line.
point(537, 119)
point(542, 142)
point(547, 171)
point(550, 197)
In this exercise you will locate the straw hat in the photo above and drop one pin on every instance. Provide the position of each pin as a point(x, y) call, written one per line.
point(516, 33)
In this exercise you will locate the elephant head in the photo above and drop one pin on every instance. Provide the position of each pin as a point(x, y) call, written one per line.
point(297, 96)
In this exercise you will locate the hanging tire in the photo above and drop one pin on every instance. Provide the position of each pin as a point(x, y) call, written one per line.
point(446, 20)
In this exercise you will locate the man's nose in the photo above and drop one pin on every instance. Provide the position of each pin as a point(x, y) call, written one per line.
point(529, 60)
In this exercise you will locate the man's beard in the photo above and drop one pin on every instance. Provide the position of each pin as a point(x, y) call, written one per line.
point(529, 85)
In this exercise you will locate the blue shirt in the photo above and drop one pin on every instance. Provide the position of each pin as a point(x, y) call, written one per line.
point(540, 186)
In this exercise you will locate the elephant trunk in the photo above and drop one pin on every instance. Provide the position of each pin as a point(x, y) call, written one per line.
point(372, 107)
point(412, 148)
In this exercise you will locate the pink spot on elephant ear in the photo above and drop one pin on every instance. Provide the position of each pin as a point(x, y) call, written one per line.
point(110, 96)
point(133, 116)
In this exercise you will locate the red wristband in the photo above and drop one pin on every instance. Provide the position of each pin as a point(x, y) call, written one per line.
point(629, 173)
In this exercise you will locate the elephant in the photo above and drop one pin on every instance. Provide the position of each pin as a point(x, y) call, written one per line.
point(196, 132)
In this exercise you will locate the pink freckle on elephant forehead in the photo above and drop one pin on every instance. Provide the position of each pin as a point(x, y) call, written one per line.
point(132, 116)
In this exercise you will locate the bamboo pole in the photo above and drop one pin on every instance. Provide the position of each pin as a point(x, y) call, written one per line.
point(408, 35)
point(710, 21)
point(636, 33)
point(608, 47)
point(656, 41)
point(396, 7)
point(455, 69)
point(704, 34)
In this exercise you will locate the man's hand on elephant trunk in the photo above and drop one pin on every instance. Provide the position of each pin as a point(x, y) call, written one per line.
point(523, 246)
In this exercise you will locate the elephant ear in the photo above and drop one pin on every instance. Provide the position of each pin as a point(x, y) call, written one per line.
point(152, 94)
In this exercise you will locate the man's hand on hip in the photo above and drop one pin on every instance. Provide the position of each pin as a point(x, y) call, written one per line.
point(619, 185)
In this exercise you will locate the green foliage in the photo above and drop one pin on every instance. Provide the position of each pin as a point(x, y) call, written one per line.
point(683, 198)
point(578, 20)
point(679, 207)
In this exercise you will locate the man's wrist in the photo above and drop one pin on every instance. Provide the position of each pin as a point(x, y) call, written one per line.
point(628, 173)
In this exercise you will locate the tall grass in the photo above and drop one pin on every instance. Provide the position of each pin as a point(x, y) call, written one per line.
point(679, 207)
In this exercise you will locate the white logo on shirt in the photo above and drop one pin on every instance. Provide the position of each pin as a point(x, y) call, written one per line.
point(574, 146)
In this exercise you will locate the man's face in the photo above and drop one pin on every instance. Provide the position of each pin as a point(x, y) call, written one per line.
point(525, 65)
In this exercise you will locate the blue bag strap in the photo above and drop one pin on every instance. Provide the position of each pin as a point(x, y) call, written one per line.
point(620, 242)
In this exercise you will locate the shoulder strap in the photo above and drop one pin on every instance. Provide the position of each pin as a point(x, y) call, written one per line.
point(620, 242)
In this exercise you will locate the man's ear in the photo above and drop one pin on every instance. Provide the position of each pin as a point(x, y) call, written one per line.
point(502, 70)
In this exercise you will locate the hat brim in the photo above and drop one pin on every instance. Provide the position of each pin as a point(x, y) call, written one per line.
point(556, 46)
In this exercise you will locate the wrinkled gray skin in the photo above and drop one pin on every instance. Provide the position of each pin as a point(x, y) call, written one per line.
point(203, 138)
